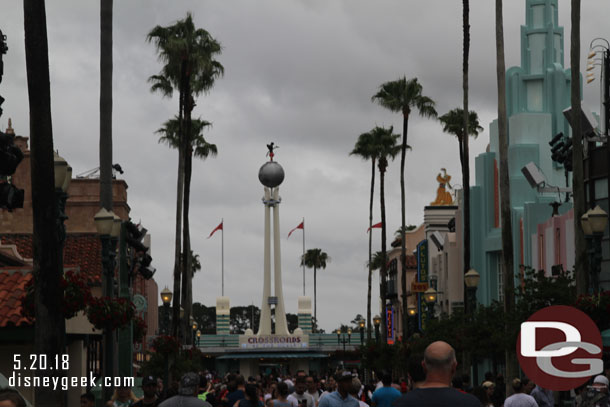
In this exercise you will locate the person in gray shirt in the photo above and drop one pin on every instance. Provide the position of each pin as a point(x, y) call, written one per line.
point(187, 393)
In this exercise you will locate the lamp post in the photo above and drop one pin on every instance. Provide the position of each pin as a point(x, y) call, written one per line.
point(166, 298)
point(361, 324)
point(411, 318)
point(104, 223)
point(198, 336)
point(430, 296)
point(377, 322)
point(194, 326)
point(341, 338)
point(471, 280)
point(594, 223)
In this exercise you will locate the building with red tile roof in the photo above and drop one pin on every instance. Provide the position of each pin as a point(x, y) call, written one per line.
point(82, 252)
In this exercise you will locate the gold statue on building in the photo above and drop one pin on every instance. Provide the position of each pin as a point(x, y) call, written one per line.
point(443, 197)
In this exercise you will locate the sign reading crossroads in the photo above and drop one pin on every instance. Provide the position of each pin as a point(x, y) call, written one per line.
point(273, 341)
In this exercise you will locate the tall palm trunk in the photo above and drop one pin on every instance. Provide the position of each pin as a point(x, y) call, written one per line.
point(581, 264)
point(507, 234)
point(464, 158)
point(186, 237)
point(49, 326)
point(403, 250)
point(106, 104)
point(106, 160)
point(315, 295)
point(370, 278)
point(383, 274)
point(179, 199)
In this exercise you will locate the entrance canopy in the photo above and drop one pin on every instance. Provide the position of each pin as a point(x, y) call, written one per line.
point(274, 355)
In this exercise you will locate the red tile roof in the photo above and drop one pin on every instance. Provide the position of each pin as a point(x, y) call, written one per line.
point(12, 288)
point(80, 250)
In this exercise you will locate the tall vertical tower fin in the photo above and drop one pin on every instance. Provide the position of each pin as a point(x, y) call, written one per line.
point(541, 37)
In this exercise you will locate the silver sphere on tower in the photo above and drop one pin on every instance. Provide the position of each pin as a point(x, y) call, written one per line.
point(271, 174)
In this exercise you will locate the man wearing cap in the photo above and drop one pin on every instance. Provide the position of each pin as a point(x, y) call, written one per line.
point(440, 365)
point(598, 395)
point(341, 397)
point(187, 393)
point(149, 388)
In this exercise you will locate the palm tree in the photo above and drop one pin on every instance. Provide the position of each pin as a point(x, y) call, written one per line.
point(190, 67)
point(364, 149)
point(106, 104)
point(453, 123)
point(385, 147)
point(49, 325)
point(201, 149)
point(581, 263)
point(505, 209)
point(195, 263)
point(105, 154)
point(376, 262)
point(315, 259)
point(464, 147)
point(403, 96)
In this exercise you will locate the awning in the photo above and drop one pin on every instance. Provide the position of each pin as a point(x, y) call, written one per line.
point(296, 355)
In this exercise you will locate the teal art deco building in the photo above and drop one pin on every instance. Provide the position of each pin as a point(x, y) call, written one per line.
point(537, 92)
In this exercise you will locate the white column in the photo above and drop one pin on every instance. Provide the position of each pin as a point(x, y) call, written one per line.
point(281, 327)
point(264, 327)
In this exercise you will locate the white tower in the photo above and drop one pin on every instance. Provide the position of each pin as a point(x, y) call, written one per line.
point(271, 176)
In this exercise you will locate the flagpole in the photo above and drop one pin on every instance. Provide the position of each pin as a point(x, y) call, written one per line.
point(303, 257)
point(222, 256)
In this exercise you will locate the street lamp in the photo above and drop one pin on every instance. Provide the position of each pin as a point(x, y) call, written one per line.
point(342, 339)
point(593, 224)
point(377, 322)
point(198, 336)
point(194, 325)
point(430, 297)
point(471, 280)
point(361, 324)
point(412, 318)
point(166, 298)
point(104, 223)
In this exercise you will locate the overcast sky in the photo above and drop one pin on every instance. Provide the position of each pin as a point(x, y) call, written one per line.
point(297, 72)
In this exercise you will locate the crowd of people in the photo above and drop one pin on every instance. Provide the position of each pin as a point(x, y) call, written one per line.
point(431, 382)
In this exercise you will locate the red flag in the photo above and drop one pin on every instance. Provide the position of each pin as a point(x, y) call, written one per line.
point(377, 225)
point(219, 227)
point(301, 226)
